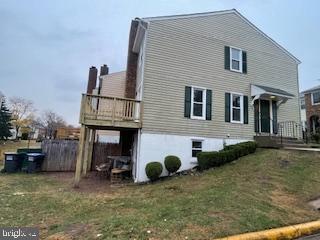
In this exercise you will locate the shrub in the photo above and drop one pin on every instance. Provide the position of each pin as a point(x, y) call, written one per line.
point(209, 159)
point(230, 153)
point(204, 160)
point(243, 148)
point(154, 170)
point(172, 163)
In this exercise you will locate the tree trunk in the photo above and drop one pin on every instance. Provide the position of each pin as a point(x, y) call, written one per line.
point(17, 131)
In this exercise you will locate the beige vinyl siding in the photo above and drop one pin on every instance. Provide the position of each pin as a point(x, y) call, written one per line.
point(113, 85)
point(190, 52)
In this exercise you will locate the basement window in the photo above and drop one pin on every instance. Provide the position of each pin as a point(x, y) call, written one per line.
point(196, 147)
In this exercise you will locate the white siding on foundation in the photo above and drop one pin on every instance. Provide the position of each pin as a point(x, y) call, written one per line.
point(155, 147)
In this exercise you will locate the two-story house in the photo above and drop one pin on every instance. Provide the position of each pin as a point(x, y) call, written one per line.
point(194, 83)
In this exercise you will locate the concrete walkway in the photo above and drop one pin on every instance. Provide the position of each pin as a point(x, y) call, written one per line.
point(303, 149)
point(313, 237)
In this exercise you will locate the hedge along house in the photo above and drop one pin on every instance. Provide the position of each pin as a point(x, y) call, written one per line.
point(205, 80)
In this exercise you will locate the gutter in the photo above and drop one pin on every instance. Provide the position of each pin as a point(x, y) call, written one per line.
point(139, 35)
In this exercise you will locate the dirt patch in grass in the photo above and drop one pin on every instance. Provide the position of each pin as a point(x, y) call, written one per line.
point(192, 231)
point(90, 184)
point(282, 199)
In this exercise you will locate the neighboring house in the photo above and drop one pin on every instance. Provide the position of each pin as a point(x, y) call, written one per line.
point(33, 132)
point(194, 83)
point(67, 133)
point(303, 111)
point(312, 107)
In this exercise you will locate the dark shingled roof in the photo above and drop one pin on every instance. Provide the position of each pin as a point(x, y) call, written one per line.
point(311, 89)
point(275, 90)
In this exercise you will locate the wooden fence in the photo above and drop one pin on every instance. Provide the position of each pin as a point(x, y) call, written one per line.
point(102, 150)
point(61, 155)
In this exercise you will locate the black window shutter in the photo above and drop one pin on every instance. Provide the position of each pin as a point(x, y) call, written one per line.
point(208, 104)
point(245, 110)
point(227, 57)
point(187, 102)
point(227, 107)
point(244, 62)
point(256, 116)
point(274, 117)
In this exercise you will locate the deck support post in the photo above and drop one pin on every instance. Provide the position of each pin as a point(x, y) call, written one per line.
point(79, 164)
point(90, 152)
point(86, 153)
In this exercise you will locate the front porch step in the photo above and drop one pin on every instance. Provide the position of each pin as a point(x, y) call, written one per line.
point(275, 142)
point(290, 141)
point(267, 142)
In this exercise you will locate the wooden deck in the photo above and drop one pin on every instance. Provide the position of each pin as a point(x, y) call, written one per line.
point(102, 111)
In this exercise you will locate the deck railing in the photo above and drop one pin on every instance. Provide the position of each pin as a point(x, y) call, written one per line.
point(112, 109)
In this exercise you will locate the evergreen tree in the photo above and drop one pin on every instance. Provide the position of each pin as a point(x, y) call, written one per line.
point(5, 120)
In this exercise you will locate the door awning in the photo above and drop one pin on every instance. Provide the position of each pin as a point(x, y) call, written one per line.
point(264, 92)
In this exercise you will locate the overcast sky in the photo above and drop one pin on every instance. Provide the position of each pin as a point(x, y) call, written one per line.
point(46, 47)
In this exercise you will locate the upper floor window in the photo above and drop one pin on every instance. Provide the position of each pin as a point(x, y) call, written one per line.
point(235, 59)
point(236, 108)
point(315, 98)
point(198, 100)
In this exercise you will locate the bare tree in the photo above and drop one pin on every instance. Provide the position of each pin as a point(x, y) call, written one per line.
point(51, 121)
point(22, 112)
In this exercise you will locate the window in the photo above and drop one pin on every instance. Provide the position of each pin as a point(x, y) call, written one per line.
point(236, 108)
point(235, 59)
point(198, 103)
point(196, 147)
point(315, 98)
point(302, 102)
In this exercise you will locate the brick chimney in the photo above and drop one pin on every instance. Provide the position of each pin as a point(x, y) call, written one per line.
point(92, 79)
point(132, 62)
point(104, 70)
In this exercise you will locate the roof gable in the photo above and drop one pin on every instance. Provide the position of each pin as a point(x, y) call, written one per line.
point(174, 17)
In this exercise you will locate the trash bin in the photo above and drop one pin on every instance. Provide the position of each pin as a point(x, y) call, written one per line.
point(34, 162)
point(24, 152)
point(13, 162)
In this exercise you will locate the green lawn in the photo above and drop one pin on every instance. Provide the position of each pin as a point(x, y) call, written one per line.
point(267, 189)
